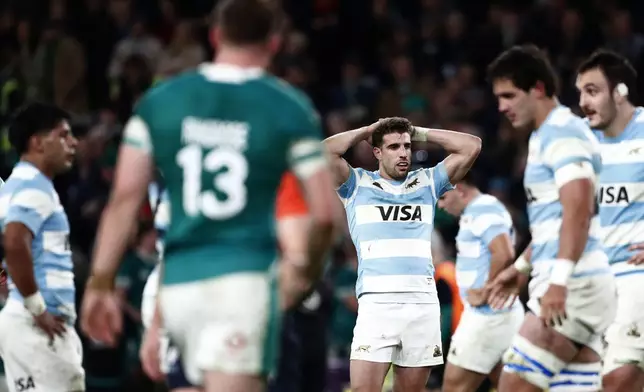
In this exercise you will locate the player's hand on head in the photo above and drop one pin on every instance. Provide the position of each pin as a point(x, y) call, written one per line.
point(553, 305)
point(637, 258)
point(51, 325)
point(504, 289)
point(101, 316)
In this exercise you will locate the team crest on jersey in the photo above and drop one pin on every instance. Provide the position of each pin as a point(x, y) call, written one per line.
point(437, 351)
point(412, 184)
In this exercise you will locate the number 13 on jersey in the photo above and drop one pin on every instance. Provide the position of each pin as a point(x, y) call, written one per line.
point(230, 183)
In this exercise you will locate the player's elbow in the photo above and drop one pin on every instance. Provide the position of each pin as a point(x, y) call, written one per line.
point(472, 148)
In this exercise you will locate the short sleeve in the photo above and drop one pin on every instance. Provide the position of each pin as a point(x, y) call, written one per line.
point(31, 207)
point(562, 147)
point(305, 152)
point(440, 179)
point(494, 231)
point(349, 186)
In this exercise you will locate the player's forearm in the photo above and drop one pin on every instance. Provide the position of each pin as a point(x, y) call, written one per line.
point(21, 268)
point(111, 241)
point(523, 262)
point(319, 242)
point(573, 235)
point(453, 142)
point(337, 145)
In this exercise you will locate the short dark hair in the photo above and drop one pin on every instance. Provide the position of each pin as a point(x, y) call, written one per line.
point(615, 67)
point(32, 119)
point(391, 125)
point(524, 66)
point(248, 22)
point(470, 178)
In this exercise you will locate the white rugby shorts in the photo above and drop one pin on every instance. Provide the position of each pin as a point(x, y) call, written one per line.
point(30, 362)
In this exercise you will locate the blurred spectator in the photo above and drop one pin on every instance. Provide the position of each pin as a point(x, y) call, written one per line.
point(59, 69)
point(140, 44)
point(182, 53)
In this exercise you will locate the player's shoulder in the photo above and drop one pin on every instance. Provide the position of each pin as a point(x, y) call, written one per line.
point(638, 123)
point(564, 123)
point(27, 177)
point(488, 204)
point(168, 89)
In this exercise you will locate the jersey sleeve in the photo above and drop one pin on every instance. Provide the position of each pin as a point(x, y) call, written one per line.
point(31, 207)
point(491, 223)
point(568, 152)
point(440, 179)
point(349, 186)
point(137, 132)
point(290, 200)
point(305, 154)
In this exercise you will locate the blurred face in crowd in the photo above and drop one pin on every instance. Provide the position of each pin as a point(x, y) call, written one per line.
point(59, 147)
point(516, 105)
point(394, 155)
point(596, 99)
point(453, 201)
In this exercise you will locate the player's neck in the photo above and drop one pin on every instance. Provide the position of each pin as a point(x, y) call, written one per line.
point(470, 196)
point(543, 110)
point(622, 118)
point(242, 57)
point(39, 163)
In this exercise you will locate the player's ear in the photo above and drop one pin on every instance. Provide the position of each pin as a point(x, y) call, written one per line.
point(377, 152)
point(275, 43)
point(539, 89)
point(620, 92)
point(214, 36)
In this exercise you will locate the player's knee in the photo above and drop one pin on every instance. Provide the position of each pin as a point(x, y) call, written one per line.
point(578, 377)
point(531, 363)
point(624, 378)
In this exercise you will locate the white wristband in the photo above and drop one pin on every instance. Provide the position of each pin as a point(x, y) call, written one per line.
point(522, 265)
point(35, 304)
point(561, 271)
point(420, 135)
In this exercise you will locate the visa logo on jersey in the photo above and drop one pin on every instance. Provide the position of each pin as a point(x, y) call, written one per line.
point(401, 213)
point(613, 195)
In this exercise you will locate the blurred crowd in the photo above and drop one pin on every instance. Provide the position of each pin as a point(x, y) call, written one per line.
point(358, 60)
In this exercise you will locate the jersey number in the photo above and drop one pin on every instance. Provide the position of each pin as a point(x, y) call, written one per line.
point(231, 182)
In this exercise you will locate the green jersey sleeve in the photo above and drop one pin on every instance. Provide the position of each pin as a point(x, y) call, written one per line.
point(305, 152)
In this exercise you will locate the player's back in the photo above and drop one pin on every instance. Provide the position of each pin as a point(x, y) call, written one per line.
point(563, 139)
point(221, 136)
point(482, 220)
point(621, 193)
point(28, 197)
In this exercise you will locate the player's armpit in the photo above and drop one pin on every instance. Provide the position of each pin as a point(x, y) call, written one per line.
point(17, 239)
point(577, 199)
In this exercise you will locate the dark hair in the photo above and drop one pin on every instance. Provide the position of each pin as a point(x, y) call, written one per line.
point(524, 66)
point(32, 119)
point(391, 125)
point(470, 178)
point(248, 22)
point(615, 67)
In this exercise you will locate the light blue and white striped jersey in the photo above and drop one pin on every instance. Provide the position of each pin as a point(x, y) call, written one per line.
point(29, 197)
point(484, 219)
point(562, 142)
point(391, 225)
point(621, 193)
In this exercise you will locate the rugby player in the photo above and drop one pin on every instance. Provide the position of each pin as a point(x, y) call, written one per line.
point(391, 214)
point(222, 136)
point(606, 82)
point(484, 248)
point(572, 290)
point(38, 343)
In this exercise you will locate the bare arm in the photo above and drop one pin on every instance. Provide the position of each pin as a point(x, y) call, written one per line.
point(128, 192)
point(17, 248)
point(578, 204)
point(337, 146)
point(501, 254)
point(463, 149)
